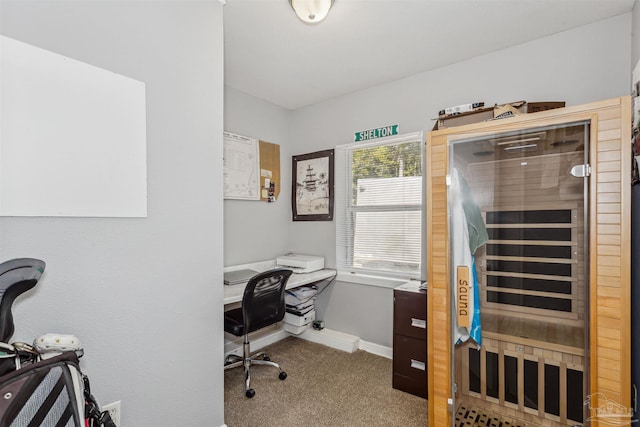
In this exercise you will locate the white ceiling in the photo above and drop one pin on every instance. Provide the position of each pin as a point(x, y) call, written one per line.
point(272, 55)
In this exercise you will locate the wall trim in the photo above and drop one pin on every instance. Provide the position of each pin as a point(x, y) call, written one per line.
point(377, 349)
point(331, 338)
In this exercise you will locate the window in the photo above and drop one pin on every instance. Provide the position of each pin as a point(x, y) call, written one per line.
point(379, 205)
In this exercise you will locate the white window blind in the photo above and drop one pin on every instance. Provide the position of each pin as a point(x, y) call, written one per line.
point(379, 206)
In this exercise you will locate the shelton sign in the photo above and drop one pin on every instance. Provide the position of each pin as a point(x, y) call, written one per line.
point(376, 133)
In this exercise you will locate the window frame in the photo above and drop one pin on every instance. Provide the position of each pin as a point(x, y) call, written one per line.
point(345, 210)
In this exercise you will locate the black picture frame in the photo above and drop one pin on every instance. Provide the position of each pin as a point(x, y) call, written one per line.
point(312, 189)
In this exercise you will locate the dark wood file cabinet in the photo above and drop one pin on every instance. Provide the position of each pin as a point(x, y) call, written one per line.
point(410, 339)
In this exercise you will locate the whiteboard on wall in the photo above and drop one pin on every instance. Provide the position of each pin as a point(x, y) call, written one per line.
point(72, 137)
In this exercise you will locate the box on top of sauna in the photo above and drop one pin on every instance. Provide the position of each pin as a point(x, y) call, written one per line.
point(481, 114)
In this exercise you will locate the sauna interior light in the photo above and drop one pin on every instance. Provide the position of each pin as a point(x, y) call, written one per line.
point(311, 11)
point(535, 138)
point(521, 147)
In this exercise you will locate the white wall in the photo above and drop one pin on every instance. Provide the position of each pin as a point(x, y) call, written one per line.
point(139, 293)
point(257, 230)
point(578, 66)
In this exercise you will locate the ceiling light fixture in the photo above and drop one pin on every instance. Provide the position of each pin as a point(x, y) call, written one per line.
point(311, 11)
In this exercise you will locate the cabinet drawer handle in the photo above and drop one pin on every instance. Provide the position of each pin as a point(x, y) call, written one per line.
point(418, 323)
point(417, 364)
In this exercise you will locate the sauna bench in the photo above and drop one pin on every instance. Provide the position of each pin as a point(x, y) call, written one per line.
point(553, 336)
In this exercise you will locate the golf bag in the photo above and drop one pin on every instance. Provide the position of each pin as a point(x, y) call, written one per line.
point(37, 391)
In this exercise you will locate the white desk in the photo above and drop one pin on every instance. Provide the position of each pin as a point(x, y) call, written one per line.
point(233, 293)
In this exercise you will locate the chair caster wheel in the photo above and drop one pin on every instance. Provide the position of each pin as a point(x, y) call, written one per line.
point(283, 375)
point(266, 358)
point(250, 393)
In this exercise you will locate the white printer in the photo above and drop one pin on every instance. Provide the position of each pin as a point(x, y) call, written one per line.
point(301, 263)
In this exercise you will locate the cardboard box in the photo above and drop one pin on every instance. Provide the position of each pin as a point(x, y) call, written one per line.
point(506, 111)
point(475, 116)
point(464, 108)
point(534, 107)
point(490, 113)
point(479, 115)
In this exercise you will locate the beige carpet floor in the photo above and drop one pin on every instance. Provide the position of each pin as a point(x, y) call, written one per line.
point(324, 387)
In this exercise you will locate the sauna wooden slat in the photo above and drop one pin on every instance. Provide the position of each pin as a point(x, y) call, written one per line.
point(609, 208)
point(607, 124)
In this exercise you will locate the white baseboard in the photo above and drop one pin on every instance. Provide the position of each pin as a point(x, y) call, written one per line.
point(331, 338)
point(377, 349)
point(328, 337)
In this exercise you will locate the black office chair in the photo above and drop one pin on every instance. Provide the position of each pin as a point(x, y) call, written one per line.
point(262, 305)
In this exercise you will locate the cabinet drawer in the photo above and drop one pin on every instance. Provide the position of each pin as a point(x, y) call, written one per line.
point(410, 357)
point(410, 314)
point(410, 385)
point(410, 365)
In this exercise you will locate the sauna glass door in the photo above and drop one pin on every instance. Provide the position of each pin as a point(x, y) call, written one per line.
point(518, 242)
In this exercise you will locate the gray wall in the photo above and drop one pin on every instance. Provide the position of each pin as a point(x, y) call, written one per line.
point(256, 231)
point(361, 310)
point(139, 293)
point(578, 66)
point(587, 64)
point(635, 35)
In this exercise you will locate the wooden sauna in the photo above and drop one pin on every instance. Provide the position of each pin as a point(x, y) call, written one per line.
point(553, 276)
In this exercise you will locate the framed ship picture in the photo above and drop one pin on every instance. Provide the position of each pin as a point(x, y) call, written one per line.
point(312, 192)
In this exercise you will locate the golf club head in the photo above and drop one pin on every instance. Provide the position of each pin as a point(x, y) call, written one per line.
point(16, 277)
